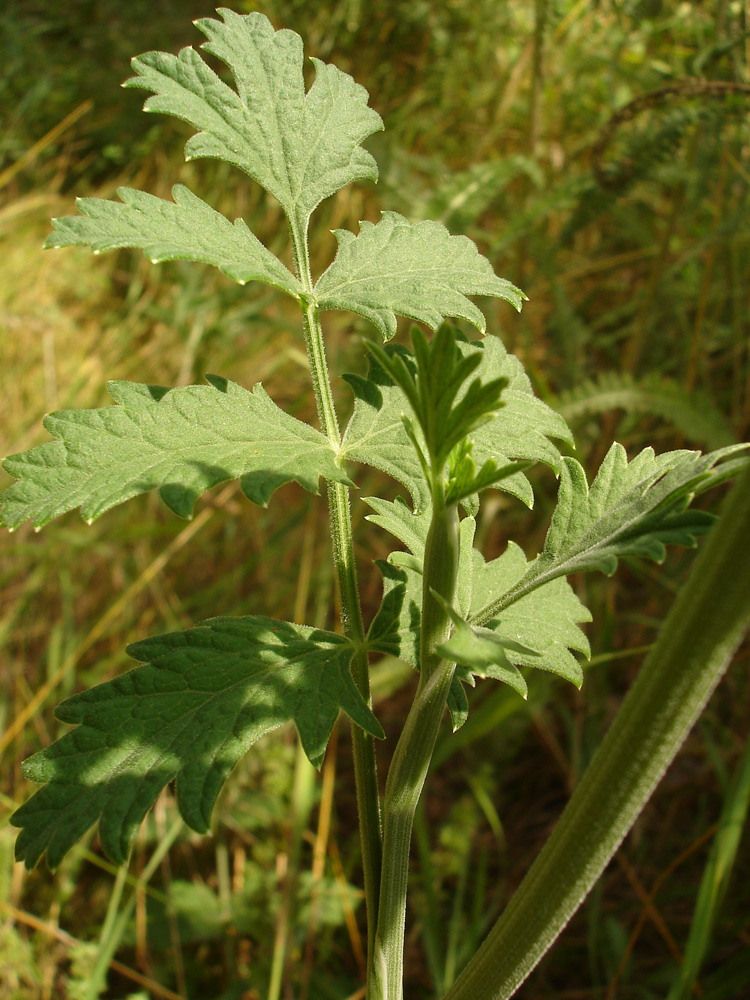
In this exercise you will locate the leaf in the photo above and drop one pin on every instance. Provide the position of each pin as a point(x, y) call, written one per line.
point(396, 517)
point(419, 271)
point(631, 509)
point(394, 630)
point(465, 481)
point(521, 430)
point(203, 697)
point(300, 147)
point(180, 441)
point(484, 653)
point(546, 620)
point(446, 405)
point(540, 630)
point(185, 229)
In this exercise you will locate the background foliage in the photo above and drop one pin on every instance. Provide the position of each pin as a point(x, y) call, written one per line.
point(629, 236)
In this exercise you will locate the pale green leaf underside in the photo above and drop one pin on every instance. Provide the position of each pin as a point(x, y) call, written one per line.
point(180, 441)
point(203, 697)
point(300, 147)
point(632, 508)
point(541, 629)
point(419, 271)
point(545, 621)
point(521, 430)
point(184, 229)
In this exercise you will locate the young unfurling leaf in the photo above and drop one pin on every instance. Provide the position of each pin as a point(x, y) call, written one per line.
point(523, 428)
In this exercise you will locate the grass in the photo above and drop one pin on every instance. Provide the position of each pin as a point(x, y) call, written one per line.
point(642, 281)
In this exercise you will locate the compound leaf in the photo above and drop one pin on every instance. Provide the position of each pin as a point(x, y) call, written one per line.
point(541, 630)
point(203, 697)
point(180, 441)
point(184, 229)
point(520, 431)
point(301, 147)
point(419, 271)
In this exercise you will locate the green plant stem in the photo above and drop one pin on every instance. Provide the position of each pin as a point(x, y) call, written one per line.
point(363, 745)
point(699, 637)
point(411, 758)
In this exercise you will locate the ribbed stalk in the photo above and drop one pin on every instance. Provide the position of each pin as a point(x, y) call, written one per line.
point(411, 759)
point(365, 769)
point(702, 631)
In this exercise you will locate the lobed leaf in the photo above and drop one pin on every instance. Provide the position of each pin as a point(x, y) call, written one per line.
point(184, 229)
point(419, 271)
point(521, 430)
point(203, 697)
point(301, 147)
point(180, 441)
point(540, 630)
point(546, 620)
point(631, 509)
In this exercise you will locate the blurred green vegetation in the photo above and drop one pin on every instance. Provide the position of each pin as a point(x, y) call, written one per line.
point(599, 153)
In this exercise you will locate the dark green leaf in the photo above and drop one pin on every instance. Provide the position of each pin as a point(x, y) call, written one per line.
point(202, 698)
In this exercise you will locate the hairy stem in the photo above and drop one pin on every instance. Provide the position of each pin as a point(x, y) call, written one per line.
point(699, 637)
point(363, 745)
point(413, 753)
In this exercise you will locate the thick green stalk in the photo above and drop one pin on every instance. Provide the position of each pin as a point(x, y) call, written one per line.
point(411, 758)
point(363, 745)
point(699, 637)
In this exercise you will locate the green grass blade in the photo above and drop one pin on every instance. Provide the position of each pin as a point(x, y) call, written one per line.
point(715, 878)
